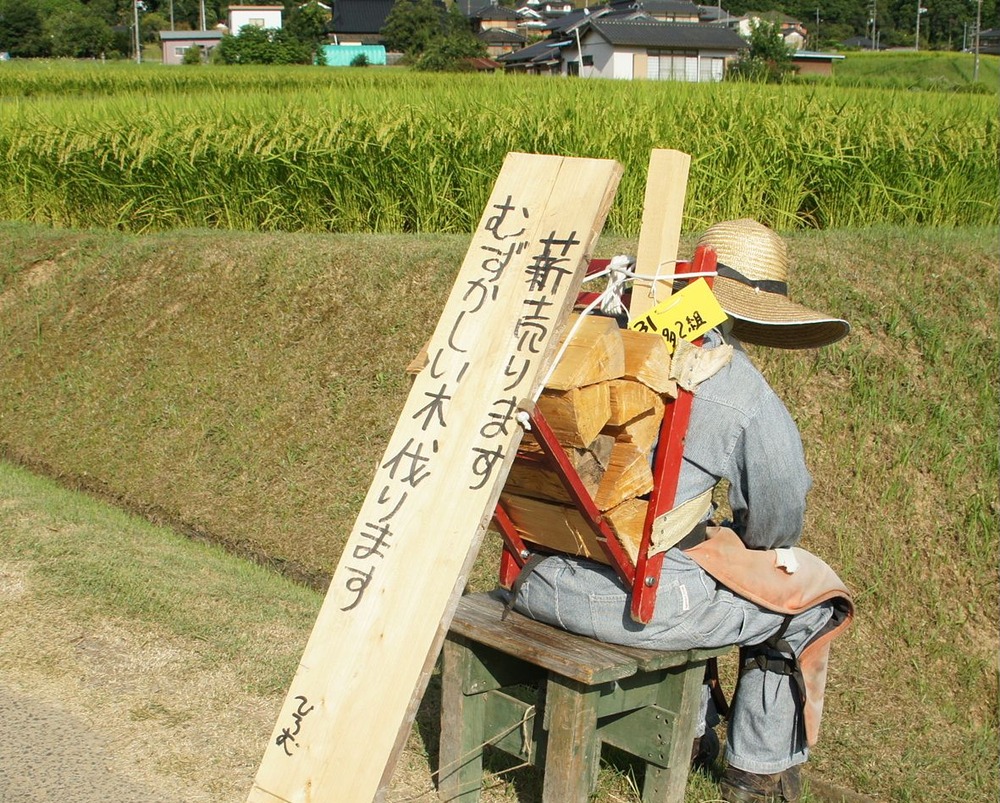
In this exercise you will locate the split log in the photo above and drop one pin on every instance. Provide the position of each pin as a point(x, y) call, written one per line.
point(598, 449)
point(595, 353)
point(628, 475)
point(647, 360)
point(577, 415)
point(601, 448)
point(643, 430)
point(627, 521)
point(553, 527)
point(529, 476)
point(631, 399)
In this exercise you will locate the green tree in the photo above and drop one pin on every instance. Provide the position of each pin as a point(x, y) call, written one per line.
point(78, 33)
point(308, 24)
point(433, 39)
point(450, 51)
point(21, 29)
point(768, 59)
point(256, 45)
point(192, 55)
point(450, 54)
point(150, 25)
point(412, 25)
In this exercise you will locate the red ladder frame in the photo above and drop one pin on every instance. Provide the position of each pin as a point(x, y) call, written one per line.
point(643, 577)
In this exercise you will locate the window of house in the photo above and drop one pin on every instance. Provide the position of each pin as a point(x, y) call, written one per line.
point(672, 65)
point(711, 69)
point(257, 21)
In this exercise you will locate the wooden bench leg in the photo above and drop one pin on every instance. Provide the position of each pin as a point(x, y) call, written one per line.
point(680, 693)
point(573, 752)
point(460, 758)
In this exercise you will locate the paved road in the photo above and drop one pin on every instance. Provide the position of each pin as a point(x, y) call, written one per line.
point(50, 756)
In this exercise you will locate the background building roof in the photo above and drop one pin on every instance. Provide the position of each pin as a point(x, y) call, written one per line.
point(639, 33)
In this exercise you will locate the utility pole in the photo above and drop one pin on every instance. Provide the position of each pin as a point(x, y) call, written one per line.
point(135, 21)
point(979, 19)
point(920, 10)
point(201, 14)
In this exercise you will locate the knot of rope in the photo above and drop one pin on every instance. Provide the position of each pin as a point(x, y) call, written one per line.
point(619, 273)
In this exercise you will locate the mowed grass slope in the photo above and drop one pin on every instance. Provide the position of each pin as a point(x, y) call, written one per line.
point(243, 387)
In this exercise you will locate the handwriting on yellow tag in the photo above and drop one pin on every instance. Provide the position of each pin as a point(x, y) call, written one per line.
point(685, 315)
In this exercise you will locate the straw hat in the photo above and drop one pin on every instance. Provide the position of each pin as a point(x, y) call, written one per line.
point(752, 288)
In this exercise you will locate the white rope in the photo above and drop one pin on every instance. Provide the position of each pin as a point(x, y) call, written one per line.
point(618, 273)
point(656, 279)
point(569, 337)
point(522, 724)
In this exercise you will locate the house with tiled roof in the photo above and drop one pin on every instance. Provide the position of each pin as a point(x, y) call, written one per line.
point(663, 10)
point(175, 43)
point(499, 41)
point(658, 51)
point(540, 58)
point(498, 27)
point(630, 49)
point(491, 16)
point(989, 41)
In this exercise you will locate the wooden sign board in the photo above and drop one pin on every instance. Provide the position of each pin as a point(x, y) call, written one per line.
point(659, 235)
point(391, 599)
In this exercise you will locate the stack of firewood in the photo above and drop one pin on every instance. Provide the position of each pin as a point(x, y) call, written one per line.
point(605, 402)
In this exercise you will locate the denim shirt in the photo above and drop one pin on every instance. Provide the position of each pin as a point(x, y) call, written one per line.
point(742, 432)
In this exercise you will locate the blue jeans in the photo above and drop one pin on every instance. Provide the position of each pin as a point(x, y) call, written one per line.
point(692, 611)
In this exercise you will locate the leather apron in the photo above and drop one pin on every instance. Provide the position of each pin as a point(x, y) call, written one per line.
point(755, 575)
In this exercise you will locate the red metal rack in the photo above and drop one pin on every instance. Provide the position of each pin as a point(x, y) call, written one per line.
point(643, 576)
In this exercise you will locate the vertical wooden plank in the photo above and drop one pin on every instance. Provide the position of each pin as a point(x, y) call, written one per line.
point(659, 236)
point(680, 692)
point(367, 662)
point(460, 759)
point(573, 751)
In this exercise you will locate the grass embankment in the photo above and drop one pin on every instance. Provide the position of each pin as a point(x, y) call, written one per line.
point(917, 70)
point(244, 387)
point(165, 658)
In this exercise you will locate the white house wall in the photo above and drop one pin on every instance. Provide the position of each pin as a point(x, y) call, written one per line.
point(260, 16)
point(621, 64)
point(624, 63)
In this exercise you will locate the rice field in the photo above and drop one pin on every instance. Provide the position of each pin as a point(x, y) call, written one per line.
point(361, 150)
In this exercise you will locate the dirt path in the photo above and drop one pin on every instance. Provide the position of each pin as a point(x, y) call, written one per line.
point(51, 755)
point(111, 711)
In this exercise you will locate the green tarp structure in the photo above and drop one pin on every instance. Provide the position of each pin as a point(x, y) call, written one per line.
point(344, 55)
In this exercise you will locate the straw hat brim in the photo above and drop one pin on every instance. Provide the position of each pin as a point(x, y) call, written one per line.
point(772, 319)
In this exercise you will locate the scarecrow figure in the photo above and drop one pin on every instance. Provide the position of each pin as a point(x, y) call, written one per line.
point(745, 583)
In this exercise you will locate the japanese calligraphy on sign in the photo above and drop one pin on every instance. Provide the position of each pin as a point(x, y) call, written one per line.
point(435, 488)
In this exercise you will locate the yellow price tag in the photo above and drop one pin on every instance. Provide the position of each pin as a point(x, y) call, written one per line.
point(687, 314)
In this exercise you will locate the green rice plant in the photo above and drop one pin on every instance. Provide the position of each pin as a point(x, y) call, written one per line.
point(406, 152)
